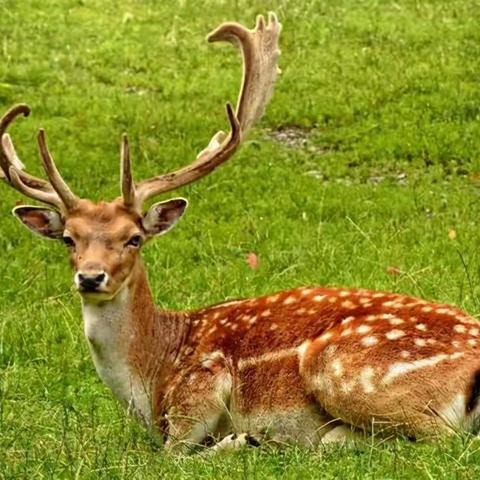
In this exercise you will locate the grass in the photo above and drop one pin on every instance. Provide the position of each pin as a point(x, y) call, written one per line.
point(381, 100)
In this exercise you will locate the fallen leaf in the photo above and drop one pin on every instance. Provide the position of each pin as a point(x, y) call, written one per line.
point(475, 177)
point(252, 260)
point(393, 270)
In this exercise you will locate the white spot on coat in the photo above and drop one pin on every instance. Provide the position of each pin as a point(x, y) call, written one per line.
point(442, 311)
point(366, 377)
point(289, 300)
point(396, 321)
point(369, 341)
point(348, 304)
point(337, 368)
point(363, 329)
point(395, 334)
point(346, 332)
point(325, 336)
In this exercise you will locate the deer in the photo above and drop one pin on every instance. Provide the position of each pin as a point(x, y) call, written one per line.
point(311, 365)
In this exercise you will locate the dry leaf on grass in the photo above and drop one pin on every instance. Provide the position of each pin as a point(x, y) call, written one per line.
point(393, 270)
point(452, 234)
point(252, 260)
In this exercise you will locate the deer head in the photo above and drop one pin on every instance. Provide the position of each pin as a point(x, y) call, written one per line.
point(104, 239)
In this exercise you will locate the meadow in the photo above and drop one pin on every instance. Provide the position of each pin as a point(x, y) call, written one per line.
point(364, 172)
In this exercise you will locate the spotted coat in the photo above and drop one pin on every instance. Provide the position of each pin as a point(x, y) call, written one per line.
point(304, 364)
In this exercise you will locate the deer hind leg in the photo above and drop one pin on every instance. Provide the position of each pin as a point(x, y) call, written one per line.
point(375, 388)
point(341, 434)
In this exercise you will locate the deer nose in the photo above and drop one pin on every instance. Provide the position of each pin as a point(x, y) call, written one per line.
point(89, 282)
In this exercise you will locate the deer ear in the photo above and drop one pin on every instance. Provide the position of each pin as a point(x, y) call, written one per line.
point(163, 216)
point(40, 220)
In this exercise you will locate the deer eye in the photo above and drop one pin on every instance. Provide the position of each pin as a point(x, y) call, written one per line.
point(68, 241)
point(135, 241)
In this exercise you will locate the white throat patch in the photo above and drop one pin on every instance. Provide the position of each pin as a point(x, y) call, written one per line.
point(106, 329)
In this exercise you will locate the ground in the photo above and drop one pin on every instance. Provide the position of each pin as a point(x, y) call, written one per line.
point(365, 172)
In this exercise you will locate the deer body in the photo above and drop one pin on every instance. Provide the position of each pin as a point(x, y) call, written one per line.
point(327, 357)
point(292, 366)
point(309, 365)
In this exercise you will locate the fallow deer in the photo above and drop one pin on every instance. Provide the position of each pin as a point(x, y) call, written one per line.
point(308, 365)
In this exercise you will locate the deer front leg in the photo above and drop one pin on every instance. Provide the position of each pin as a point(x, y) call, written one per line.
point(198, 403)
point(235, 441)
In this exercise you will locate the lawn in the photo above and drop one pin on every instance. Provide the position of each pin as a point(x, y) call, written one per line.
point(365, 171)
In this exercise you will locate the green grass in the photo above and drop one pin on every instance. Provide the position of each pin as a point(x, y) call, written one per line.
point(387, 96)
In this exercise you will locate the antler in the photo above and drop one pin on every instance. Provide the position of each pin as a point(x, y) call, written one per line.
point(259, 48)
point(57, 192)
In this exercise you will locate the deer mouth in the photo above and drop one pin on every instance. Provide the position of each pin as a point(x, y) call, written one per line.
point(97, 296)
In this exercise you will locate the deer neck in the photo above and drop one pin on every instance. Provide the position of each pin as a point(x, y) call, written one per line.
point(134, 344)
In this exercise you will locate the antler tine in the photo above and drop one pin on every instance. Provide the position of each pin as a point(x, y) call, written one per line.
point(126, 179)
point(66, 196)
point(259, 48)
point(5, 152)
point(50, 198)
point(13, 160)
point(9, 151)
point(27, 184)
point(260, 56)
point(217, 152)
